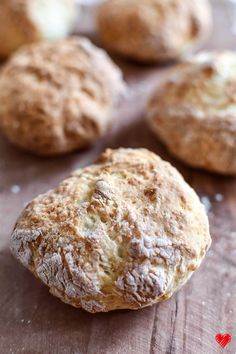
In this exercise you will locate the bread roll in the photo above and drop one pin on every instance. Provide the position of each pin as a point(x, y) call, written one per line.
point(57, 97)
point(194, 113)
point(153, 30)
point(27, 21)
point(124, 233)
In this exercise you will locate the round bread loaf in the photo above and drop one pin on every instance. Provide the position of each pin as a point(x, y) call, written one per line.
point(56, 97)
point(124, 233)
point(27, 21)
point(153, 30)
point(194, 113)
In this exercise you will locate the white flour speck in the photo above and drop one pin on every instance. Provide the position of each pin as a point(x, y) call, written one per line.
point(219, 197)
point(15, 189)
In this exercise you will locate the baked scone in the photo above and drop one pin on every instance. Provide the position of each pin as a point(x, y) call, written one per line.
point(194, 113)
point(124, 233)
point(56, 97)
point(153, 30)
point(27, 21)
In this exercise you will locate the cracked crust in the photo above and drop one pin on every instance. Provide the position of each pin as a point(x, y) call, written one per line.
point(124, 233)
point(19, 26)
point(63, 93)
point(196, 118)
point(153, 30)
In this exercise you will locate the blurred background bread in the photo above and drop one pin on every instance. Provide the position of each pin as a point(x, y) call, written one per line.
point(27, 21)
point(153, 30)
point(56, 97)
point(194, 113)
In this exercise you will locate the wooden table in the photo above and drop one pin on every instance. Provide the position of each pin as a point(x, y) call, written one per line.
point(34, 322)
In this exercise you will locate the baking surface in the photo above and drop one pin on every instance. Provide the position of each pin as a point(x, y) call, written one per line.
point(33, 321)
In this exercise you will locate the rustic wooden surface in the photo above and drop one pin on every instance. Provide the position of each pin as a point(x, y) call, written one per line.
point(34, 322)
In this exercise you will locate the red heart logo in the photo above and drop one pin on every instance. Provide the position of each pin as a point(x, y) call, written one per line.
point(223, 339)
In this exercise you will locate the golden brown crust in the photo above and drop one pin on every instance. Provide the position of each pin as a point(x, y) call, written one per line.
point(151, 30)
point(194, 113)
point(63, 93)
point(124, 233)
point(18, 25)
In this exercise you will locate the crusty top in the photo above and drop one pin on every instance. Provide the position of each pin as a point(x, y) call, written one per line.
point(56, 97)
point(202, 87)
point(194, 113)
point(125, 232)
point(153, 29)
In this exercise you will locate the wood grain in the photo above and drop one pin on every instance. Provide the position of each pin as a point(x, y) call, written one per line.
point(34, 322)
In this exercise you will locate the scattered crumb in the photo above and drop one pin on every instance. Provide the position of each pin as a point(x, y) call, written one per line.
point(219, 197)
point(15, 189)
